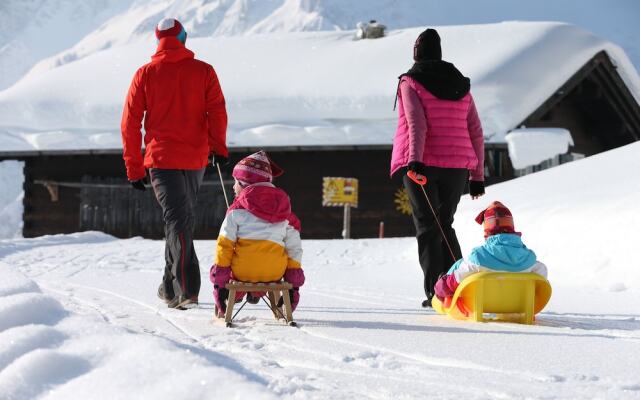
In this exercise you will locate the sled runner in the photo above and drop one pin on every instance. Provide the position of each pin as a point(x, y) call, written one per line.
point(507, 295)
point(274, 292)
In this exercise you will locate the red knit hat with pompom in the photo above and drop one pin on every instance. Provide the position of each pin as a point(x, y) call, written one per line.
point(496, 219)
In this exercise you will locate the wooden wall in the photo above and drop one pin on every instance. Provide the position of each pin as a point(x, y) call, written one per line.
point(42, 216)
point(303, 182)
point(107, 203)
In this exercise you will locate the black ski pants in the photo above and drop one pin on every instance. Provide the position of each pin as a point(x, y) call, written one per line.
point(176, 191)
point(444, 187)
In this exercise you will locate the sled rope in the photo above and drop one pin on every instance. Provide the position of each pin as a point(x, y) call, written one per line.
point(421, 180)
point(224, 191)
point(438, 222)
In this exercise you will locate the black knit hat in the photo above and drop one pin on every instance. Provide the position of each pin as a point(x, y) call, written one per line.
point(427, 46)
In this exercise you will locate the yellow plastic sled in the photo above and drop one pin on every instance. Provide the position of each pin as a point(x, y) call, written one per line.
point(507, 295)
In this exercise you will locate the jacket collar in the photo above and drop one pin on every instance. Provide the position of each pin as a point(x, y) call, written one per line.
point(171, 50)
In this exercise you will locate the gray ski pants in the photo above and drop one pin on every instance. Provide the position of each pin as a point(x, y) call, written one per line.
point(176, 191)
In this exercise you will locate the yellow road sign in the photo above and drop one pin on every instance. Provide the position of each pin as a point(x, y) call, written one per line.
point(339, 191)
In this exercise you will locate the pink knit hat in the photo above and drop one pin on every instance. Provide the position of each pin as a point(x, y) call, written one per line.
point(255, 168)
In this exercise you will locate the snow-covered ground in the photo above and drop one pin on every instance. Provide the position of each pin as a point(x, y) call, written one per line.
point(79, 317)
point(11, 180)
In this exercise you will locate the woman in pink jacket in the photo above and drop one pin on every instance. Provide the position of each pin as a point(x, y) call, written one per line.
point(440, 137)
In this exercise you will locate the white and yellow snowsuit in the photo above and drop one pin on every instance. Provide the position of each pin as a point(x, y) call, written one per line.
point(259, 238)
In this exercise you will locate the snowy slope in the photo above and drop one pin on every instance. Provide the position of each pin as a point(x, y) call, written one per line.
point(11, 180)
point(118, 22)
point(308, 88)
point(582, 216)
point(43, 346)
point(35, 29)
point(50, 33)
point(79, 316)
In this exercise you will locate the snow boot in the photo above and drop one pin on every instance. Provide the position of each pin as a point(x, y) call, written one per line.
point(251, 299)
point(162, 295)
point(427, 303)
point(182, 303)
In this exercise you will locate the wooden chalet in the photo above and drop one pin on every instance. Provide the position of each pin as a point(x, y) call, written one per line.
point(595, 105)
point(78, 190)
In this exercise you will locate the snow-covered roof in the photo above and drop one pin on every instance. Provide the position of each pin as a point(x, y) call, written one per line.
point(531, 146)
point(308, 89)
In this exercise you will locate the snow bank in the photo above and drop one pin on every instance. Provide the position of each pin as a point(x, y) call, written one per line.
point(531, 146)
point(44, 349)
point(16, 342)
point(13, 282)
point(580, 218)
point(11, 180)
point(37, 372)
point(308, 88)
point(28, 308)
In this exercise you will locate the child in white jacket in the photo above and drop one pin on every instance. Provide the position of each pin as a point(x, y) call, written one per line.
point(259, 239)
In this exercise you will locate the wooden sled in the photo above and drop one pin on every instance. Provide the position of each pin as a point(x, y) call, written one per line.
point(514, 297)
point(274, 290)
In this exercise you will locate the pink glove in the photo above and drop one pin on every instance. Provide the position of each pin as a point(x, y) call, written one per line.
point(220, 276)
point(295, 276)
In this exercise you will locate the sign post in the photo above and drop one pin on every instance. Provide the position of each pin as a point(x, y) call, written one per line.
point(346, 222)
point(341, 192)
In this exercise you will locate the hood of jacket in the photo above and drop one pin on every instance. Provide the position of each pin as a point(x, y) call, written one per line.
point(503, 252)
point(265, 201)
point(171, 50)
point(440, 78)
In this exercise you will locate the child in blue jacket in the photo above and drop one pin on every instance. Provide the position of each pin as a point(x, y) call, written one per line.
point(502, 251)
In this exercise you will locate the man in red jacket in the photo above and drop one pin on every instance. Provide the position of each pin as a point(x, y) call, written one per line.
point(185, 123)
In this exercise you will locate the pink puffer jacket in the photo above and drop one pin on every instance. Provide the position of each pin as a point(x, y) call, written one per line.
point(436, 132)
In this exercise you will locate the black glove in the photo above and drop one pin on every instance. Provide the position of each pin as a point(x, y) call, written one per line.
point(218, 159)
point(139, 184)
point(476, 188)
point(417, 167)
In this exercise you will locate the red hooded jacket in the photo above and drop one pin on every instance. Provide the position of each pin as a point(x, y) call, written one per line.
point(184, 112)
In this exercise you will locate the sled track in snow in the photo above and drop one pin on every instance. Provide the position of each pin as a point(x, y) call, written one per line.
point(434, 362)
point(101, 311)
point(319, 362)
point(279, 362)
point(260, 359)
